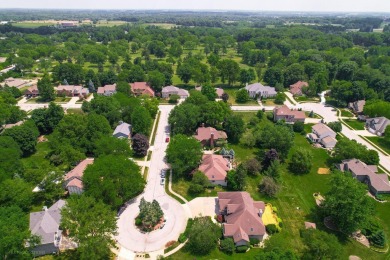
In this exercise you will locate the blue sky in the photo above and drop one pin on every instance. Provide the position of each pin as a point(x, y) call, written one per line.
point(255, 5)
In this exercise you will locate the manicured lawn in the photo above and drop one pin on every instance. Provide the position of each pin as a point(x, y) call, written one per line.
point(380, 141)
point(355, 124)
point(215, 254)
point(246, 116)
point(346, 113)
point(307, 99)
point(269, 102)
point(232, 97)
point(62, 99)
point(74, 111)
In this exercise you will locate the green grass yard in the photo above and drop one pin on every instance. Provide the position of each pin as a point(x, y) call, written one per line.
point(346, 113)
point(355, 124)
point(380, 141)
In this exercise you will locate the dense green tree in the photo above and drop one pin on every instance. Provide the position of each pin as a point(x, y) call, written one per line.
point(242, 96)
point(274, 169)
point(320, 245)
point(298, 127)
point(279, 137)
point(16, 192)
point(184, 118)
point(184, 153)
point(293, 73)
point(247, 76)
point(46, 90)
point(25, 136)
point(347, 203)
point(156, 80)
point(335, 126)
point(198, 183)
point(215, 113)
point(141, 121)
point(280, 98)
point(274, 76)
point(203, 236)
point(105, 106)
point(73, 73)
point(10, 153)
point(378, 239)
point(209, 92)
point(46, 119)
point(236, 179)
point(113, 179)
point(14, 233)
point(347, 70)
point(377, 108)
point(51, 187)
point(229, 71)
point(91, 224)
point(301, 161)
point(347, 149)
point(107, 145)
point(227, 245)
point(234, 127)
point(276, 254)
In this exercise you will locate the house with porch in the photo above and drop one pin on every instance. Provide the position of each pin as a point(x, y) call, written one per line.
point(377, 183)
point(242, 217)
point(215, 167)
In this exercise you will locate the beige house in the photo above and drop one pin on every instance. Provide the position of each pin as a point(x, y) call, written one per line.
point(324, 135)
point(242, 216)
point(357, 106)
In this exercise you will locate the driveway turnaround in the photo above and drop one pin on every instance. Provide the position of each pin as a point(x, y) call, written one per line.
point(129, 237)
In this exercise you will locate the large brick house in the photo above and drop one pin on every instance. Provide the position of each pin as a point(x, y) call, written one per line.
point(296, 88)
point(215, 167)
point(288, 115)
point(141, 88)
point(242, 216)
point(209, 136)
point(72, 91)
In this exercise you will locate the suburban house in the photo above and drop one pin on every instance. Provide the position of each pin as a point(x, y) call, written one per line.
point(288, 115)
point(209, 136)
point(73, 180)
point(219, 91)
point(296, 89)
point(323, 134)
point(123, 130)
point(17, 83)
point(32, 91)
point(107, 90)
point(242, 216)
point(377, 125)
point(72, 91)
point(46, 224)
point(172, 90)
point(377, 183)
point(257, 90)
point(141, 88)
point(357, 106)
point(215, 167)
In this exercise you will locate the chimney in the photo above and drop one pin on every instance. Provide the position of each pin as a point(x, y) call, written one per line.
point(44, 208)
point(212, 140)
point(202, 124)
point(260, 213)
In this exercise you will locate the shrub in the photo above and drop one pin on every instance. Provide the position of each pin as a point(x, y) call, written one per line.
point(260, 114)
point(271, 229)
point(298, 127)
point(227, 245)
point(195, 188)
point(182, 238)
point(242, 249)
point(242, 96)
point(173, 99)
point(270, 116)
point(254, 241)
point(280, 98)
point(138, 222)
point(280, 224)
point(275, 209)
point(378, 239)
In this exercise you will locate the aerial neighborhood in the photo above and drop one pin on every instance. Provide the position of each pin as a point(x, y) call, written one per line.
point(194, 135)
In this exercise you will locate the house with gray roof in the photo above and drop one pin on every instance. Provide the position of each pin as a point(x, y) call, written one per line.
point(172, 90)
point(323, 134)
point(377, 183)
point(377, 125)
point(46, 225)
point(123, 130)
point(260, 91)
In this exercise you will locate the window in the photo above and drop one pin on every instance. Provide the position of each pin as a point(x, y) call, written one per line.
point(251, 229)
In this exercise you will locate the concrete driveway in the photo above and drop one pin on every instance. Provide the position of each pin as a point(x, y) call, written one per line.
point(203, 206)
point(129, 237)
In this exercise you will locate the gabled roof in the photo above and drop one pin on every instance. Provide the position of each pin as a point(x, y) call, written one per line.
point(32, 90)
point(379, 124)
point(258, 87)
point(204, 134)
point(74, 177)
point(357, 106)
point(123, 128)
point(141, 88)
point(214, 167)
point(46, 223)
point(242, 219)
point(321, 129)
point(285, 111)
point(297, 87)
point(328, 140)
point(176, 90)
point(378, 181)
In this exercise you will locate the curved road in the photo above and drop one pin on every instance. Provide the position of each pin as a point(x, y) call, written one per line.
point(129, 237)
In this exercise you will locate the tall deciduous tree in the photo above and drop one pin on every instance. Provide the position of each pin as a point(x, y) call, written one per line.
point(301, 161)
point(46, 90)
point(25, 136)
point(268, 186)
point(234, 127)
point(209, 92)
point(203, 236)
point(184, 118)
point(107, 145)
point(184, 153)
point(113, 179)
point(140, 145)
point(320, 245)
point(47, 119)
point(236, 179)
point(347, 203)
point(91, 224)
point(141, 121)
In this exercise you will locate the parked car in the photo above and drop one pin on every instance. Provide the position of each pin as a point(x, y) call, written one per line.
point(163, 174)
point(167, 140)
point(162, 181)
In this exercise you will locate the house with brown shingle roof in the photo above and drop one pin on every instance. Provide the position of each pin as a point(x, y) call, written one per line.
point(377, 183)
point(73, 180)
point(168, 91)
point(107, 90)
point(296, 88)
point(377, 125)
point(32, 91)
point(15, 82)
point(209, 136)
point(357, 106)
point(72, 91)
point(141, 88)
point(215, 167)
point(242, 216)
point(288, 115)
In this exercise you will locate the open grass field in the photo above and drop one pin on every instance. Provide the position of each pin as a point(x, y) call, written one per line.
point(106, 23)
point(232, 97)
point(215, 254)
point(380, 141)
point(162, 25)
point(355, 124)
point(32, 24)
